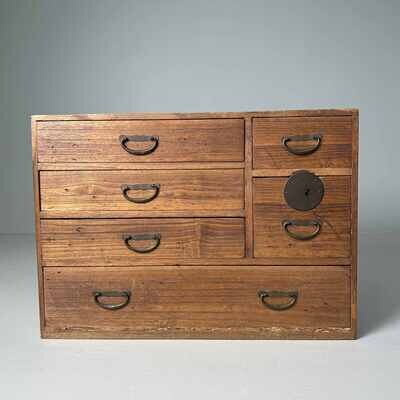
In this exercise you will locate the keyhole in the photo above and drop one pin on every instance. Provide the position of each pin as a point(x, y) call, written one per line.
point(307, 191)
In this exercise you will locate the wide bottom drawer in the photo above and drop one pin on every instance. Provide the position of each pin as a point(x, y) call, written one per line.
point(207, 302)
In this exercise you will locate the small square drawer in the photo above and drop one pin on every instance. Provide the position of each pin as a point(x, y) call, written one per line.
point(283, 232)
point(302, 142)
point(148, 141)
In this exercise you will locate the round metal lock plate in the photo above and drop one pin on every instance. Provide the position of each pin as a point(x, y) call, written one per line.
point(303, 191)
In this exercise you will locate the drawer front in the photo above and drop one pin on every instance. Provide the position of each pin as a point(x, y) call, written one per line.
point(302, 142)
point(141, 141)
point(331, 219)
point(129, 241)
point(157, 301)
point(170, 190)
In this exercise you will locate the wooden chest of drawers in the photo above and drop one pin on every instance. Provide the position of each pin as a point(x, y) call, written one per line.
point(212, 225)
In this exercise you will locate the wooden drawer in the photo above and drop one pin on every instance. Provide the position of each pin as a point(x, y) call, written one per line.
point(129, 241)
point(334, 150)
point(178, 190)
point(166, 141)
point(271, 239)
point(188, 302)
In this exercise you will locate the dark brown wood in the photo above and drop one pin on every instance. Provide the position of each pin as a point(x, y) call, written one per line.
point(270, 210)
point(180, 190)
point(209, 303)
point(99, 242)
point(179, 140)
point(334, 151)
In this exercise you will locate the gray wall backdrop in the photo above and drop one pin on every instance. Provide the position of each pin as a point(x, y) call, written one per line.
point(90, 56)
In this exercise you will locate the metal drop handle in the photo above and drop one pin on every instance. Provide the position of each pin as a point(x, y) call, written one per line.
point(124, 140)
point(264, 295)
point(155, 187)
point(302, 138)
point(155, 237)
point(286, 224)
point(98, 294)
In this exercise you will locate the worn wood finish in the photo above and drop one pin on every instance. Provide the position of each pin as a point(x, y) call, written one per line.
point(244, 333)
point(180, 190)
point(179, 140)
point(139, 213)
point(219, 209)
point(79, 166)
point(265, 172)
point(174, 300)
point(334, 151)
point(185, 241)
point(270, 209)
point(36, 196)
point(271, 240)
point(98, 242)
point(238, 262)
point(249, 189)
point(269, 191)
point(354, 224)
point(205, 115)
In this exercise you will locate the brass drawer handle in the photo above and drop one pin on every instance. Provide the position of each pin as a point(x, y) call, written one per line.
point(155, 237)
point(98, 294)
point(286, 224)
point(264, 295)
point(302, 138)
point(124, 140)
point(152, 186)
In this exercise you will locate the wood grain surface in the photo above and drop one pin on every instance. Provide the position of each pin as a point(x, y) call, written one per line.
point(354, 223)
point(194, 115)
point(169, 300)
point(71, 166)
point(219, 212)
point(179, 140)
point(334, 213)
point(36, 199)
point(179, 190)
point(99, 242)
point(334, 151)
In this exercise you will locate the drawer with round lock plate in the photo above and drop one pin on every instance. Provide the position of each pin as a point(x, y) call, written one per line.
point(302, 217)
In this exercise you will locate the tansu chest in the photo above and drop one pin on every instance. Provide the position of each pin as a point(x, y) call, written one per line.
point(204, 225)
